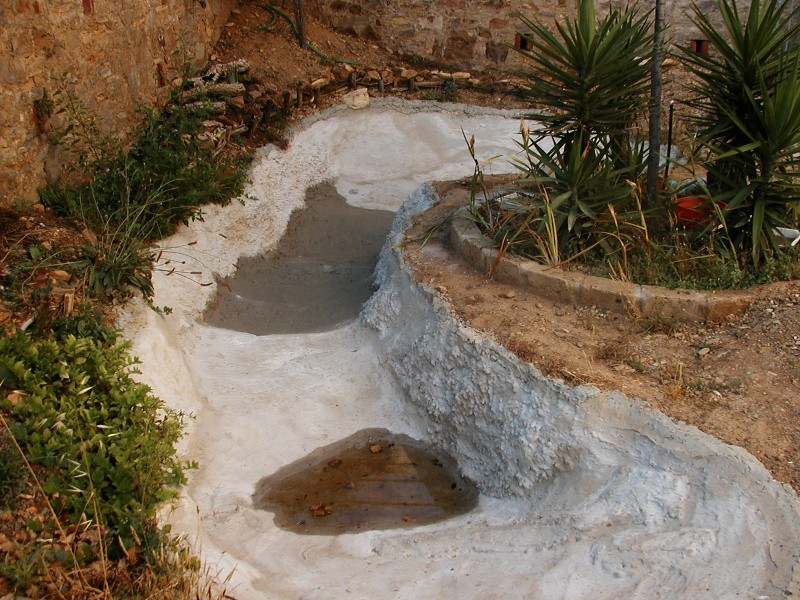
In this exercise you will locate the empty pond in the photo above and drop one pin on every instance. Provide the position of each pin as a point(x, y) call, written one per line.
point(585, 495)
point(373, 479)
point(315, 280)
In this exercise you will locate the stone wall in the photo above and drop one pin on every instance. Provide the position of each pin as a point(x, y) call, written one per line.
point(469, 34)
point(118, 53)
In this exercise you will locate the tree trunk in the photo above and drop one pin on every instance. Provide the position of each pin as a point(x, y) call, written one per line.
point(300, 20)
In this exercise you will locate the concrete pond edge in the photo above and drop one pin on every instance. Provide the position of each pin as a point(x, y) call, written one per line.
point(580, 289)
point(517, 433)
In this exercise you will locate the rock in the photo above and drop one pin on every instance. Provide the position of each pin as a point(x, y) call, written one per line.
point(373, 76)
point(15, 397)
point(703, 352)
point(356, 99)
point(60, 275)
point(237, 101)
point(319, 83)
point(509, 294)
point(408, 73)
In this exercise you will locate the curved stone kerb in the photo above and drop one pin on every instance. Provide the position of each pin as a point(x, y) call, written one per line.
point(579, 289)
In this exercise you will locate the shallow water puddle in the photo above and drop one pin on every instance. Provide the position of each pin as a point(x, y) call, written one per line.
point(315, 280)
point(371, 480)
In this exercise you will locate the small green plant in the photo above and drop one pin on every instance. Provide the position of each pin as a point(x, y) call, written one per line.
point(447, 93)
point(22, 570)
point(13, 473)
point(81, 134)
point(660, 323)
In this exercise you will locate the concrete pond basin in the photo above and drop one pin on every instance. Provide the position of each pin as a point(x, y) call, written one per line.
point(583, 494)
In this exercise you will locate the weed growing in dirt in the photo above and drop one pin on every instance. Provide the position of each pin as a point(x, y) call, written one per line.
point(447, 93)
point(127, 199)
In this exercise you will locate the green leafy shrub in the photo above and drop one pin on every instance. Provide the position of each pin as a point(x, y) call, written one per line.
point(85, 321)
point(106, 441)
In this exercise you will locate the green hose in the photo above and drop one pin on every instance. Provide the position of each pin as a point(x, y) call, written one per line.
point(276, 12)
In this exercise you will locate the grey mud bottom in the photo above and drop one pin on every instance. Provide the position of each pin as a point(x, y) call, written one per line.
point(317, 278)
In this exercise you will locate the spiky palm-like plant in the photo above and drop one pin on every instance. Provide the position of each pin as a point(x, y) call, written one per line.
point(748, 120)
point(591, 76)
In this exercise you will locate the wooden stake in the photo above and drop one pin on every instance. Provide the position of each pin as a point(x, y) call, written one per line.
point(268, 108)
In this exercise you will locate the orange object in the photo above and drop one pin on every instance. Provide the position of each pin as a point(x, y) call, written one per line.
point(695, 210)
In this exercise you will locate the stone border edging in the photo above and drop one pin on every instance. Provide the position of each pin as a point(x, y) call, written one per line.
point(586, 290)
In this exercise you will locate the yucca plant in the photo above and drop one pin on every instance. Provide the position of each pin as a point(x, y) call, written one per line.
point(581, 185)
point(591, 76)
point(747, 119)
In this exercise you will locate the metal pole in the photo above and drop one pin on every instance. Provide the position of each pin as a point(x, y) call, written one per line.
point(654, 138)
point(669, 139)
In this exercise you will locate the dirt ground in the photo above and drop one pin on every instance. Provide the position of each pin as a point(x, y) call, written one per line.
point(738, 380)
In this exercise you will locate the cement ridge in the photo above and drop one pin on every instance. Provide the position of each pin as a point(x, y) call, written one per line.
point(518, 433)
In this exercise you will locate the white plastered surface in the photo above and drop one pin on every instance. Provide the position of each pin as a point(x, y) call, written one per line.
point(586, 495)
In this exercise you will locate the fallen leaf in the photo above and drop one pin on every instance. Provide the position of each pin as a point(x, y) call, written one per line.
point(320, 510)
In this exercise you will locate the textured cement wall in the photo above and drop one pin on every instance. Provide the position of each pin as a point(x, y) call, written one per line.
point(118, 52)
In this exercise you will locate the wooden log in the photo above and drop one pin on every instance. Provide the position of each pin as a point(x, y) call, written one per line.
point(215, 89)
point(287, 98)
point(255, 123)
point(212, 107)
point(216, 71)
point(299, 95)
point(425, 85)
